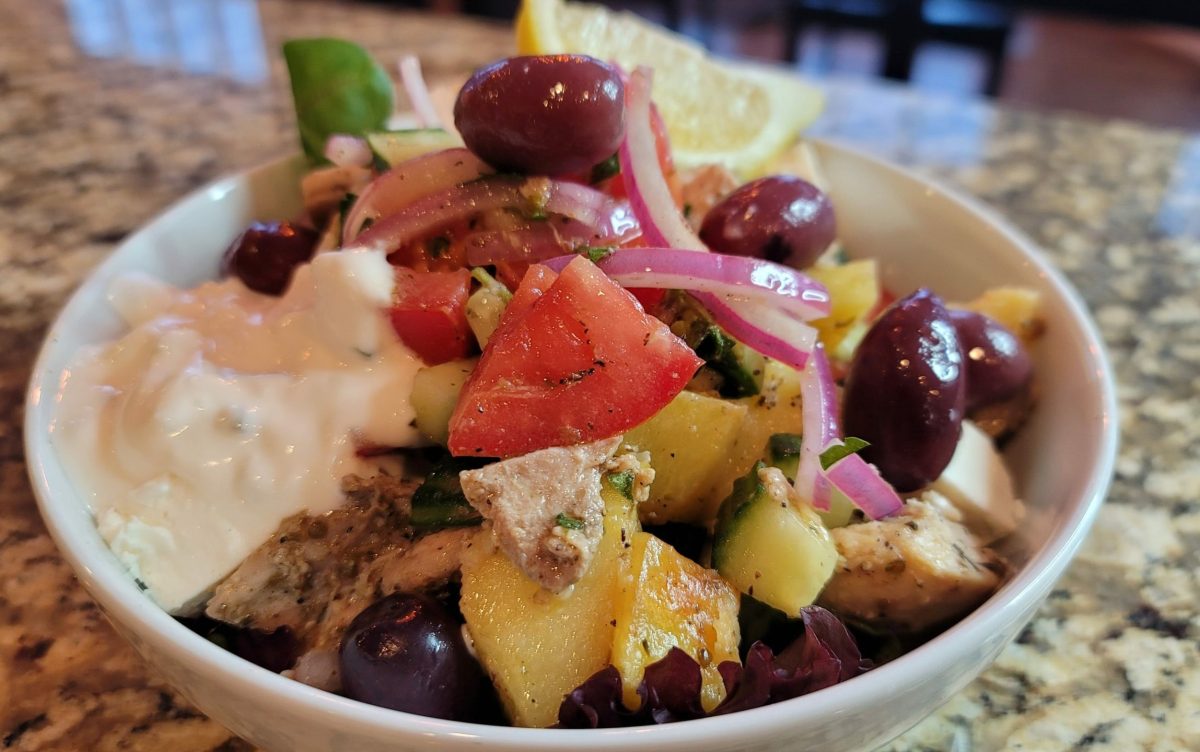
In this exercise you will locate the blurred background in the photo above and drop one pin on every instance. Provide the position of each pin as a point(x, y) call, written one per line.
point(1132, 59)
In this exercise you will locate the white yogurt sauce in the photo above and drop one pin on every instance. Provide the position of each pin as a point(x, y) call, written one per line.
point(222, 412)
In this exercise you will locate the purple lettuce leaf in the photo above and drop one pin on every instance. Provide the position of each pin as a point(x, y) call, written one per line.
point(822, 656)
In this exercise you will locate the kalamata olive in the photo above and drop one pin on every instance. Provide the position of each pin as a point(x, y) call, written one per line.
point(997, 365)
point(406, 652)
point(780, 218)
point(905, 391)
point(543, 114)
point(266, 253)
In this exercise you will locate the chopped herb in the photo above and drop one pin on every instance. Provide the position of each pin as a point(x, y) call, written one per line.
point(366, 224)
point(622, 482)
point(605, 170)
point(687, 211)
point(566, 521)
point(141, 585)
point(437, 246)
point(439, 501)
point(595, 253)
point(736, 363)
point(851, 445)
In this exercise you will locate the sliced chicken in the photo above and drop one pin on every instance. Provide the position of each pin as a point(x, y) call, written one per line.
point(909, 572)
point(318, 572)
point(545, 508)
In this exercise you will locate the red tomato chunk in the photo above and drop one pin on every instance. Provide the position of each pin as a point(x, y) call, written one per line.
point(580, 362)
point(429, 313)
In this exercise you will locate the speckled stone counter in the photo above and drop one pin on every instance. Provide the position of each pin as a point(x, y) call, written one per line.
point(95, 142)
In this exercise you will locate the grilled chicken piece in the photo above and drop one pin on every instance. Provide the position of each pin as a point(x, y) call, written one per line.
point(909, 572)
point(318, 572)
point(545, 508)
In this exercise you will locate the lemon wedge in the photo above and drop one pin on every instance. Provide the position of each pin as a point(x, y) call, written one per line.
point(737, 116)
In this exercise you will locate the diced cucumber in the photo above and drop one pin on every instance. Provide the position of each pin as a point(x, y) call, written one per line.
point(393, 147)
point(439, 501)
point(434, 395)
point(783, 452)
point(486, 305)
point(770, 544)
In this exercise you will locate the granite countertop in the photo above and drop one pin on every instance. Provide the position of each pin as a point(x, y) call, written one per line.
point(93, 143)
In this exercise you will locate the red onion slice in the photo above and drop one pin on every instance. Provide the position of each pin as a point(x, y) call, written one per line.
point(737, 277)
point(862, 485)
point(397, 189)
point(347, 151)
point(418, 92)
point(820, 429)
point(538, 241)
point(649, 195)
point(762, 328)
point(460, 202)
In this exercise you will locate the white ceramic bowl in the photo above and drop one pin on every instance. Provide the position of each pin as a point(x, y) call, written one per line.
point(922, 234)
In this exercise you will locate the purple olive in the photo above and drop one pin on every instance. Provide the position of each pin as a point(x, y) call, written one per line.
point(406, 652)
point(906, 390)
point(998, 367)
point(267, 253)
point(779, 218)
point(543, 114)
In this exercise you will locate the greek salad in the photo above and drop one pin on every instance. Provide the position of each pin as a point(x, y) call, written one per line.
point(520, 423)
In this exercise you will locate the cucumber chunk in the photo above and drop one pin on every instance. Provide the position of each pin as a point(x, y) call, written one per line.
point(435, 394)
point(783, 452)
point(393, 147)
point(770, 544)
point(486, 305)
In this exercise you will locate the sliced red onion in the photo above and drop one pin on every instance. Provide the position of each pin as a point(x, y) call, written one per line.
point(611, 219)
point(861, 483)
point(418, 92)
point(347, 151)
point(396, 189)
point(649, 195)
point(501, 192)
point(763, 328)
point(535, 242)
point(737, 277)
point(820, 425)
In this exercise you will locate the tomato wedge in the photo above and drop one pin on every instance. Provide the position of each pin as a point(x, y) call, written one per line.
point(578, 363)
point(429, 313)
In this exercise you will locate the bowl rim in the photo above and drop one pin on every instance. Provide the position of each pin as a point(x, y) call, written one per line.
point(111, 586)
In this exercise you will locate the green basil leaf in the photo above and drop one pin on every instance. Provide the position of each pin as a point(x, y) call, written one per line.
point(850, 445)
point(337, 88)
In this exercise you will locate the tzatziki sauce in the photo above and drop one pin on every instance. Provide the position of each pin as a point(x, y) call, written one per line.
point(222, 412)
